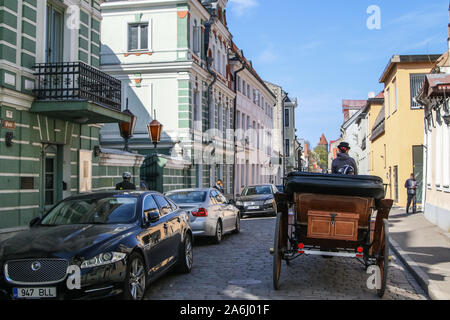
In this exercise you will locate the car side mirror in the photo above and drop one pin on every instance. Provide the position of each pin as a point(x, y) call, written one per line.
point(34, 221)
point(151, 216)
point(231, 201)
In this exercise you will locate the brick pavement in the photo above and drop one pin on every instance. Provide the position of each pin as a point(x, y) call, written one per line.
point(241, 268)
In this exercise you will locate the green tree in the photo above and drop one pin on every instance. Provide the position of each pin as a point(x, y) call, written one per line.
point(321, 153)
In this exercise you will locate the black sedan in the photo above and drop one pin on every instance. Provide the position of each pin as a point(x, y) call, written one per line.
point(257, 200)
point(97, 245)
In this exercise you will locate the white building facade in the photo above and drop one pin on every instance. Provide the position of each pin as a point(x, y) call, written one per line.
point(159, 49)
point(254, 126)
point(434, 97)
point(354, 130)
point(285, 131)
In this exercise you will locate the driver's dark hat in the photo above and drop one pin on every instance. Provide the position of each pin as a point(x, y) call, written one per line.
point(344, 145)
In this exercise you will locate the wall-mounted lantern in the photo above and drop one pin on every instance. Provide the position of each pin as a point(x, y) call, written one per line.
point(154, 131)
point(8, 138)
point(127, 128)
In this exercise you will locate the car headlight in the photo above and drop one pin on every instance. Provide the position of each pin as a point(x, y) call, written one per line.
point(270, 201)
point(103, 259)
point(239, 203)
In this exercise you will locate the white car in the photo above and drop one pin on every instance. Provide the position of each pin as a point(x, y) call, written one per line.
point(210, 214)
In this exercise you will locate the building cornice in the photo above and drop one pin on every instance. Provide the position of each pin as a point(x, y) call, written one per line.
point(15, 99)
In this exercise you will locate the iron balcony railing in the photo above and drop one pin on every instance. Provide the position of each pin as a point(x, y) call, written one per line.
point(77, 81)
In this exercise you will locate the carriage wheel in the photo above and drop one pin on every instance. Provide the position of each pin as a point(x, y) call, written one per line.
point(383, 257)
point(277, 254)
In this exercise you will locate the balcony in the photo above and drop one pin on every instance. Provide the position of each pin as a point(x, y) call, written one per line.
point(77, 92)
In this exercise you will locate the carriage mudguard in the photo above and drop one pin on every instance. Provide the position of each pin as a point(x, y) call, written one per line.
point(335, 184)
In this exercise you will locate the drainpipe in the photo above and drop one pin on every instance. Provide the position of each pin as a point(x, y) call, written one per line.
point(209, 60)
point(283, 100)
point(235, 126)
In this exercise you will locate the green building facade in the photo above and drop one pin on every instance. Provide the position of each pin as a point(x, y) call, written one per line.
point(53, 103)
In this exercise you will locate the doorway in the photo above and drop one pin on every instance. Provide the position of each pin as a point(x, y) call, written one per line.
point(417, 152)
point(50, 177)
point(396, 183)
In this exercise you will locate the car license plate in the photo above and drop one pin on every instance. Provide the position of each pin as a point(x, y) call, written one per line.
point(253, 207)
point(34, 293)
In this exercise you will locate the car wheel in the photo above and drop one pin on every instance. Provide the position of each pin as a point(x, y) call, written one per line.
point(186, 255)
point(219, 233)
point(135, 279)
point(237, 228)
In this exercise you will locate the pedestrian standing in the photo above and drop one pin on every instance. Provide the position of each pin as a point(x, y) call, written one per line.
point(219, 185)
point(126, 183)
point(411, 187)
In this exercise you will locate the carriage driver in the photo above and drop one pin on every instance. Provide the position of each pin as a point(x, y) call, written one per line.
point(344, 164)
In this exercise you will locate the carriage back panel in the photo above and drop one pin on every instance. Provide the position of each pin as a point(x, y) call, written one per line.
point(307, 202)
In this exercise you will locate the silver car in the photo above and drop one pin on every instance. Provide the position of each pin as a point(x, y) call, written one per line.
point(210, 214)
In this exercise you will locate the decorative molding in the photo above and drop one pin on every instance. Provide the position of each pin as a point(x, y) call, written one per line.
point(182, 14)
point(137, 54)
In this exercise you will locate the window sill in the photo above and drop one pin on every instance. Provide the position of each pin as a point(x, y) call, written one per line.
point(137, 53)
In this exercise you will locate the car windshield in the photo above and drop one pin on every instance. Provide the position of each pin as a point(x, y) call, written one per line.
point(187, 196)
point(249, 191)
point(101, 210)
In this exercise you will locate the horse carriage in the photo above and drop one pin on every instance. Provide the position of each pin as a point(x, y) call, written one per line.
point(332, 215)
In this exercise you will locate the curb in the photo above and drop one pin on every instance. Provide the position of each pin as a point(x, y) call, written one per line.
point(421, 277)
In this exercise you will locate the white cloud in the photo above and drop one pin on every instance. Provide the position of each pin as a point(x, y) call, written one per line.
point(267, 55)
point(241, 6)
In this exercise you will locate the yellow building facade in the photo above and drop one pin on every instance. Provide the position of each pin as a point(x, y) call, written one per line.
point(397, 130)
point(375, 115)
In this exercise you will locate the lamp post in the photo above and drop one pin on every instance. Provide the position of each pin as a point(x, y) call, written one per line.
point(127, 128)
point(154, 131)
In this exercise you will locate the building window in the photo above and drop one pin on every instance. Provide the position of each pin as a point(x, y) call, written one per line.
point(287, 149)
point(428, 158)
point(395, 95)
point(438, 155)
point(243, 87)
point(415, 81)
point(54, 35)
point(248, 91)
point(196, 35)
point(388, 102)
point(138, 36)
point(446, 160)
point(286, 118)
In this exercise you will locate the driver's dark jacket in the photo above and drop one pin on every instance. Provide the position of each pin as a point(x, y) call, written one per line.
point(344, 164)
point(125, 185)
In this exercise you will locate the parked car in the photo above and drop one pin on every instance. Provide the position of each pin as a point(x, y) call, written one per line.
point(257, 200)
point(119, 241)
point(280, 188)
point(210, 214)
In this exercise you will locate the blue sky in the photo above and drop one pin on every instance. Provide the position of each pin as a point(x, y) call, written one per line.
point(322, 51)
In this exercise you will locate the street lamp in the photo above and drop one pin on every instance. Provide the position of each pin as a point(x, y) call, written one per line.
point(127, 128)
point(154, 130)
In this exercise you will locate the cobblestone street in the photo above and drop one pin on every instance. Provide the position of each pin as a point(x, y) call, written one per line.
point(241, 268)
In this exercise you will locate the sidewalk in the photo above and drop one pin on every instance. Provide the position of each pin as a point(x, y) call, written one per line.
point(425, 250)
